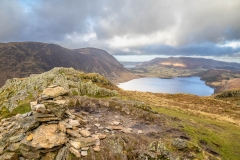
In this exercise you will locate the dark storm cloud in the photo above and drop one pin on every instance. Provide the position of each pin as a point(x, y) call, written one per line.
point(13, 20)
point(56, 18)
point(45, 20)
point(53, 20)
point(192, 27)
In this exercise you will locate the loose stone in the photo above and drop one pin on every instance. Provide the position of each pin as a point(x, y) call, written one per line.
point(73, 133)
point(97, 149)
point(140, 132)
point(16, 138)
point(30, 137)
point(84, 148)
point(116, 123)
point(97, 125)
point(102, 136)
point(85, 133)
point(84, 153)
point(75, 144)
point(40, 108)
point(75, 152)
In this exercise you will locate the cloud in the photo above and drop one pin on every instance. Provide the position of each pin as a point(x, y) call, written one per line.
point(135, 18)
point(126, 26)
point(211, 21)
point(193, 49)
point(13, 20)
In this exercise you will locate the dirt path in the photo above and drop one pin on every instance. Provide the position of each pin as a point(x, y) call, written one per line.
point(113, 120)
point(104, 119)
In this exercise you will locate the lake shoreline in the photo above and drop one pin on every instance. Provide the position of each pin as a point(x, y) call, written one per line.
point(152, 84)
point(216, 89)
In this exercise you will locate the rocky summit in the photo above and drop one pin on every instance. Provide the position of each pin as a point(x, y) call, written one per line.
point(53, 131)
point(65, 114)
point(21, 90)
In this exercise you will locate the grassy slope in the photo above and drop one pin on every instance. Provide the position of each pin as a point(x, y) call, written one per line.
point(217, 134)
point(213, 135)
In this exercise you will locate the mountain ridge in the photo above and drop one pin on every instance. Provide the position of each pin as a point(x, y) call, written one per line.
point(191, 63)
point(21, 59)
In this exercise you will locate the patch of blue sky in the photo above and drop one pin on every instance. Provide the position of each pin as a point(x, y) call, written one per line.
point(28, 4)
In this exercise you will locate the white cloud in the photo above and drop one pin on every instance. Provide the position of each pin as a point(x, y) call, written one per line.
point(141, 40)
point(233, 44)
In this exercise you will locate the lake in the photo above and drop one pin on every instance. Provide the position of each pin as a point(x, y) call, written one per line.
point(191, 85)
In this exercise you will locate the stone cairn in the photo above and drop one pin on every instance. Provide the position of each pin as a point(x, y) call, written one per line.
point(49, 131)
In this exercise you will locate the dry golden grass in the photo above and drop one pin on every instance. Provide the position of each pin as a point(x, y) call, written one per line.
point(200, 106)
point(234, 83)
point(214, 121)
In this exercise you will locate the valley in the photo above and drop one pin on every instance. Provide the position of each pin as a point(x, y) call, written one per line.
point(219, 75)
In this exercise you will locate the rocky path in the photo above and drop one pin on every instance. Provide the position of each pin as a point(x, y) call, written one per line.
point(106, 121)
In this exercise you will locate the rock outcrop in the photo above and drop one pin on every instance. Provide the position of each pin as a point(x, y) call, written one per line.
point(96, 128)
point(19, 90)
point(52, 130)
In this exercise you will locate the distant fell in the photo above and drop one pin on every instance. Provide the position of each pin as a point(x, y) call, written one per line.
point(21, 59)
point(190, 63)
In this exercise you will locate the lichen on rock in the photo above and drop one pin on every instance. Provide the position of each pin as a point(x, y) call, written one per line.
point(72, 82)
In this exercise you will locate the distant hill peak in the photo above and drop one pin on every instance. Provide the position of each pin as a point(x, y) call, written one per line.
point(190, 63)
point(21, 59)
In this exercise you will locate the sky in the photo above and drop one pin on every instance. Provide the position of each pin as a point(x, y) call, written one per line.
point(209, 28)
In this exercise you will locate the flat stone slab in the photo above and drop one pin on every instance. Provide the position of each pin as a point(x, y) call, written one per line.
point(73, 133)
point(116, 127)
point(85, 133)
point(46, 136)
point(57, 107)
point(16, 138)
point(53, 92)
point(76, 145)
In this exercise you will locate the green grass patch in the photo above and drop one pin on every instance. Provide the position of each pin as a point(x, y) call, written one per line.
point(72, 156)
point(21, 109)
point(75, 93)
point(220, 137)
point(98, 96)
point(4, 112)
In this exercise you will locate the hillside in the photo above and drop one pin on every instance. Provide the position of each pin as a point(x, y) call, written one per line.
point(94, 119)
point(20, 59)
point(221, 80)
